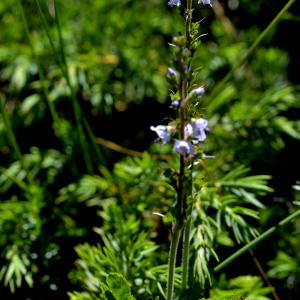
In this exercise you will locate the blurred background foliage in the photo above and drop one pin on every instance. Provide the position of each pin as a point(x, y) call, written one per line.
point(118, 55)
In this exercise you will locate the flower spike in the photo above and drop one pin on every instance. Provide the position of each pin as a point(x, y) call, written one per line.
point(174, 2)
point(205, 2)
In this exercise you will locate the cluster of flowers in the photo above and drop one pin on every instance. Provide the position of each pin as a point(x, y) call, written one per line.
point(177, 2)
point(194, 132)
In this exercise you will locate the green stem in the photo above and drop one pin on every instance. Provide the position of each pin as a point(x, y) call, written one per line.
point(61, 42)
point(172, 260)
point(186, 234)
point(188, 22)
point(41, 75)
point(250, 50)
point(254, 242)
point(75, 103)
point(15, 179)
point(186, 250)
point(95, 145)
point(13, 141)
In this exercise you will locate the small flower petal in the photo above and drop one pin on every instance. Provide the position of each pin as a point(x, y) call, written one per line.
point(199, 91)
point(171, 72)
point(205, 2)
point(198, 127)
point(163, 133)
point(176, 102)
point(174, 2)
point(182, 147)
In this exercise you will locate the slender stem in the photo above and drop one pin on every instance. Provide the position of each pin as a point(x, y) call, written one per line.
point(15, 179)
point(172, 260)
point(188, 22)
point(40, 71)
point(75, 103)
point(186, 250)
point(261, 270)
point(13, 141)
point(61, 42)
point(97, 149)
point(186, 234)
point(250, 50)
point(254, 242)
point(182, 163)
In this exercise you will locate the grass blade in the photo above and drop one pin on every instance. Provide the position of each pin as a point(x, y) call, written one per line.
point(254, 242)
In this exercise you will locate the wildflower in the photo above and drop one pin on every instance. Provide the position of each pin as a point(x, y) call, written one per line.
point(205, 2)
point(176, 102)
point(182, 147)
point(163, 134)
point(185, 68)
point(199, 91)
point(171, 72)
point(198, 129)
point(174, 2)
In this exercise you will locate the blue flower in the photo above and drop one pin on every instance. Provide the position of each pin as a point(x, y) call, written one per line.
point(174, 2)
point(205, 2)
point(182, 147)
point(171, 72)
point(198, 129)
point(199, 91)
point(176, 102)
point(163, 134)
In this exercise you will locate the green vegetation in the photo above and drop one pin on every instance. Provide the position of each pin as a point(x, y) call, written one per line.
point(77, 220)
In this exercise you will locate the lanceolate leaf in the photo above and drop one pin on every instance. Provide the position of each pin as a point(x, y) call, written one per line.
point(119, 287)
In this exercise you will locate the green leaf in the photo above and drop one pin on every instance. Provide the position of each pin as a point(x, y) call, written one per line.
point(251, 199)
point(119, 287)
point(109, 295)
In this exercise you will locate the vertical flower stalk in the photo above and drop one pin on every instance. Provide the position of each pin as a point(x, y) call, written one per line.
point(186, 132)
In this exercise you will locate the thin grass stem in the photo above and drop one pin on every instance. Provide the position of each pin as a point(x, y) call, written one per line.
point(76, 107)
point(247, 54)
point(172, 260)
point(40, 71)
point(14, 142)
point(22, 185)
point(254, 242)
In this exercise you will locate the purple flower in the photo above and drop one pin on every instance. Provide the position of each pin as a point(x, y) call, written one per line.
point(175, 60)
point(199, 91)
point(174, 2)
point(186, 51)
point(163, 134)
point(182, 147)
point(205, 2)
point(171, 72)
point(185, 68)
point(199, 126)
point(176, 102)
